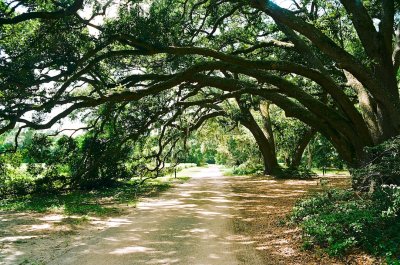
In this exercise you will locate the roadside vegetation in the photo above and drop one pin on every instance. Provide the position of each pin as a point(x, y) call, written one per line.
point(101, 202)
point(74, 176)
point(341, 221)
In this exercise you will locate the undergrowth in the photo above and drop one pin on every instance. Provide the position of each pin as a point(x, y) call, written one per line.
point(281, 173)
point(339, 221)
point(295, 173)
point(103, 202)
point(246, 169)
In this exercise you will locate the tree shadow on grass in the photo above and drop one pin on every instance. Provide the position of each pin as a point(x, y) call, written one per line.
point(104, 202)
point(71, 203)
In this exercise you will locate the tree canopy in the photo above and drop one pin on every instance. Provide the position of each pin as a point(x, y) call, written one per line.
point(168, 66)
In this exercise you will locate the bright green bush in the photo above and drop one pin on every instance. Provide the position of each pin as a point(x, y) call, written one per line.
point(15, 182)
point(248, 169)
point(341, 220)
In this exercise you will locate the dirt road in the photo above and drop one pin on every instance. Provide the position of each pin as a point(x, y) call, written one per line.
point(189, 224)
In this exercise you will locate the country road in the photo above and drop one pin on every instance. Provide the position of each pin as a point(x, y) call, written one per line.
point(189, 224)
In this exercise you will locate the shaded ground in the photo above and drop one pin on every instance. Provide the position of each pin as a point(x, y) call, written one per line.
point(265, 202)
point(211, 219)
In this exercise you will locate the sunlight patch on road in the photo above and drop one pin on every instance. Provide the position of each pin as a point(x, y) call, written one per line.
point(39, 227)
point(214, 256)
point(163, 261)
point(15, 238)
point(133, 249)
point(208, 213)
point(52, 218)
point(198, 230)
point(238, 238)
point(158, 203)
point(220, 199)
point(116, 222)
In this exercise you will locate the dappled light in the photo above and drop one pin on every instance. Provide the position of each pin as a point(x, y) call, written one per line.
point(15, 238)
point(212, 219)
point(209, 220)
point(181, 227)
point(135, 249)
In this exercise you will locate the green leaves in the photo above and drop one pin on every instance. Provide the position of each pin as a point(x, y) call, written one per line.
point(382, 165)
point(339, 221)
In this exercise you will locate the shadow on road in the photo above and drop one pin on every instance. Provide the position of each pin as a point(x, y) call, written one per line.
point(211, 219)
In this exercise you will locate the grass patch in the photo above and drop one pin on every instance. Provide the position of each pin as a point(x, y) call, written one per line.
point(331, 171)
point(182, 179)
point(103, 202)
point(74, 203)
point(30, 262)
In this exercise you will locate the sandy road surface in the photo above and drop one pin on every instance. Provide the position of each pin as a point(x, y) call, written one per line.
point(189, 224)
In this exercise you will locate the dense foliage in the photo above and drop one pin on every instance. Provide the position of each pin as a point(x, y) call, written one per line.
point(382, 165)
point(64, 163)
point(340, 221)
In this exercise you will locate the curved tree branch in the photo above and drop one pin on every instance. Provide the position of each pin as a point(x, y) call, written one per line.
point(51, 15)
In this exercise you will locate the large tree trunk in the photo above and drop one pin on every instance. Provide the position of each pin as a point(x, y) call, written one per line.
point(271, 165)
point(300, 147)
point(267, 125)
point(264, 142)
